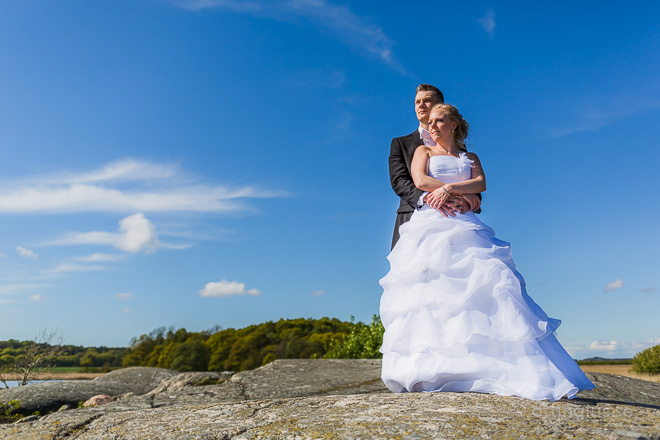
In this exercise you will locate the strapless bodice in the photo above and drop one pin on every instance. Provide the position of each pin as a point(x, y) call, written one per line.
point(450, 169)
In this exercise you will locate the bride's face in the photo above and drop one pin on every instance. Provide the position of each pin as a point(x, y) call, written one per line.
point(440, 126)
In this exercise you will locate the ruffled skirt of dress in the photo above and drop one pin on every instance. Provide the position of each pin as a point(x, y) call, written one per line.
point(457, 317)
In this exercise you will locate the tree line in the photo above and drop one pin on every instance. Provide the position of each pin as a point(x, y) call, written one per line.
point(12, 351)
point(219, 349)
point(215, 349)
point(249, 347)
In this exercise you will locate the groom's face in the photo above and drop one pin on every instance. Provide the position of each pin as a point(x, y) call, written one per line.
point(423, 103)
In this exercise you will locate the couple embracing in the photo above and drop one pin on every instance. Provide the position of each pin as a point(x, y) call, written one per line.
point(456, 312)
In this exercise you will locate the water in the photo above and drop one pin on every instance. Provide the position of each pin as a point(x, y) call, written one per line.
point(14, 383)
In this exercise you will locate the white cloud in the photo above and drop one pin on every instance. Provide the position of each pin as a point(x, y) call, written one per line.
point(176, 246)
point(648, 290)
point(604, 345)
point(120, 171)
point(351, 29)
point(610, 349)
point(318, 293)
point(27, 253)
point(616, 284)
point(2, 255)
point(125, 296)
point(136, 234)
point(37, 298)
point(487, 22)
point(76, 238)
point(10, 289)
point(592, 113)
point(99, 257)
point(245, 6)
point(126, 310)
point(226, 288)
point(637, 346)
point(144, 187)
point(73, 267)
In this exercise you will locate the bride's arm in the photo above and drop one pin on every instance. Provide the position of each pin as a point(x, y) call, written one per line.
point(418, 167)
point(476, 184)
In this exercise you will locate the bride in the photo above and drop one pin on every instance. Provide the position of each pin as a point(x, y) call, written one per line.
point(456, 313)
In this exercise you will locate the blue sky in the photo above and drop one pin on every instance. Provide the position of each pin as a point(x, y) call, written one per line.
point(219, 162)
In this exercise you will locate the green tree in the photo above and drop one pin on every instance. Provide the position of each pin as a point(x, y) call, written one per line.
point(362, 342)
point(647, 361)
point(39, 353)
point(191, 355)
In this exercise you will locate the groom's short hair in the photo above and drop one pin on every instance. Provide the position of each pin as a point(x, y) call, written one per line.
point(429, 88)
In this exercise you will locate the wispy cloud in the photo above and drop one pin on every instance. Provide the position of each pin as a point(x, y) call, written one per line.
point(321, 78)
point(76, 238)
point(604, 345)
point(616, 284)
point(37, 298)
point(357, 32)
point(99, 257)
point(10, 289)
point(650, 289)
point(2, 255)
point(123, 170)
point(136, 234)
point(643, 344)
point(318, 293)
point(226, 288)
point(487, 22)
point(27, 253)
point(124, 186)
point(610, 348)
point(73, 267)
point(126, 310)
point(593, 114)
point(125, 296)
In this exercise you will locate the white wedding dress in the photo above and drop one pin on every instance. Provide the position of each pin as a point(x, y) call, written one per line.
point(456, 313)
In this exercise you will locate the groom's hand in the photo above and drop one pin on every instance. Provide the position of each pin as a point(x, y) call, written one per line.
point(473, 200)
point(457, 204)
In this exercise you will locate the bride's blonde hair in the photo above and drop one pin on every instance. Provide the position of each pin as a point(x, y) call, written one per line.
point(462, 126)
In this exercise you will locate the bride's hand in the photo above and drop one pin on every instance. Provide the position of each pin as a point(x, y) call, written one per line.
point(438, 197)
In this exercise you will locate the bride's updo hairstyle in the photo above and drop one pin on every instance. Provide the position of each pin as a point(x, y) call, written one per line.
point(462, 126)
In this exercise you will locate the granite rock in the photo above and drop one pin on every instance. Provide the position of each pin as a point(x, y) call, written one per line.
point(98, 400)
point(300, 399)
point(50, 396)
point(141, 379)
point(190, 379)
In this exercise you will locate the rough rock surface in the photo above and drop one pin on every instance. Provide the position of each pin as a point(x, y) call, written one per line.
point(50, 396)
point(191, 379)
point(99, 400)
point(344, 399)
point(142, 379)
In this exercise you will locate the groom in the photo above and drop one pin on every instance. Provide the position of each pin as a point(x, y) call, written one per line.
point(401, 154)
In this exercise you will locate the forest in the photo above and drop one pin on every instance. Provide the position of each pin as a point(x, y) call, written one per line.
point(216, 349)
point(236, 350)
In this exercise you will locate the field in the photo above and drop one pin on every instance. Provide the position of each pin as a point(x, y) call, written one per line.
point(63, 373)
point(60, 373)
point(620, 370)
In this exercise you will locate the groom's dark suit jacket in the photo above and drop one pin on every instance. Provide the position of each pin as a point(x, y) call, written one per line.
point(401, 154)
